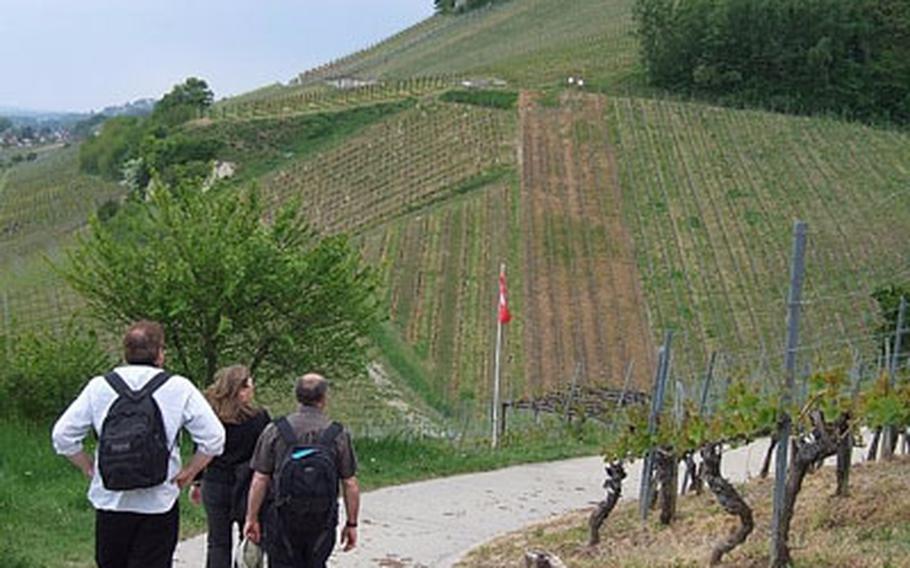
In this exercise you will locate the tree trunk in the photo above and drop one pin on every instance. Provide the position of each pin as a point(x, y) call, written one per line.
point(822, 444)
point(766, 465)
point(844, 455)
point(873, 445)
point(889, 442)
point(615, 474)
point(668, 476)
point(729, 499)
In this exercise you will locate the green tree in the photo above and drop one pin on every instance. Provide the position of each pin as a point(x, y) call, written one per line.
point(229, 287)
point(117, 142)
point(185, 101)
point(5, 123)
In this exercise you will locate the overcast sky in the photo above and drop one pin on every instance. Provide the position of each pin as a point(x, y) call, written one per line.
point(82, 55)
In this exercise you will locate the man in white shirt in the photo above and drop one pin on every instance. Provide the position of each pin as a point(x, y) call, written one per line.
point(138, 528)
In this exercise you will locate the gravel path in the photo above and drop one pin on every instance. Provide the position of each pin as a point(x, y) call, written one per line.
point(434, 523)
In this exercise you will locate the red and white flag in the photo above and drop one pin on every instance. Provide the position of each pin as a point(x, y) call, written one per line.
point(504, 315)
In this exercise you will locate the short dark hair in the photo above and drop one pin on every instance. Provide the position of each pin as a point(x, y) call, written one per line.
point(311, 389)
point(142, 342)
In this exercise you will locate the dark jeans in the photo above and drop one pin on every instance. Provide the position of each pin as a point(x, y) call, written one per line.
point(217, 500)
point(136, 540)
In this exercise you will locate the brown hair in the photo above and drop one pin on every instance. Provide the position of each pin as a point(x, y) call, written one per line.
point(142, 342)
point(311, 389)
point(224, 393)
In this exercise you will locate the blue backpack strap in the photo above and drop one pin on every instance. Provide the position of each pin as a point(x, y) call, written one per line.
point(287, 433)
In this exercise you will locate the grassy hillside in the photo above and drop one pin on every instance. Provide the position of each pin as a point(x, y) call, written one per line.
point(529, 42)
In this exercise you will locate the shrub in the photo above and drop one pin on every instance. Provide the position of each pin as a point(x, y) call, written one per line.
point(42, 373)
point(493, 99)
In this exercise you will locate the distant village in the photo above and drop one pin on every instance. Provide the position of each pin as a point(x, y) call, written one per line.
point(27, 137)
point(35, 130)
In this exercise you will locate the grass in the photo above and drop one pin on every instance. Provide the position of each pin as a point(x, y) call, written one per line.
point(505, 100)
point(870, 528)
point(44, 503)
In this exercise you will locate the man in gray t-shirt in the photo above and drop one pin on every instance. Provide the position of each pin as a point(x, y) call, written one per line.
point(308, 424)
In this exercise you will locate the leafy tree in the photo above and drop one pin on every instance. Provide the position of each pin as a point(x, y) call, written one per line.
point(843, 56)
point(184, 102)
point(450, 6)
point(5, 123)
point(229, 287)
point(117, 142)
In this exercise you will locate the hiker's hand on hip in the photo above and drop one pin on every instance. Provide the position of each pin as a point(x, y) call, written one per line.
point(184, 478)
point(349, 538)
point(251, 531)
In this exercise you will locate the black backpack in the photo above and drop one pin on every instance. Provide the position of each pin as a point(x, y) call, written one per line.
point(306, 484)
point(133, 451)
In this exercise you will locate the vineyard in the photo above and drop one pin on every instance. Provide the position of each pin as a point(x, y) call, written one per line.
point(529, 43)
point(419, 157)
point(433, 265)
point(45, 199)
point(618, 217)
point(585, 310)
point(42, 204)
point(293, 102)
point(710, 195)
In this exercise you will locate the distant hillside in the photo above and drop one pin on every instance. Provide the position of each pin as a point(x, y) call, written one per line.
point(530, 42)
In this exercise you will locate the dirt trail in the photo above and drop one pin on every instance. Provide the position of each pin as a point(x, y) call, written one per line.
point(434, 523)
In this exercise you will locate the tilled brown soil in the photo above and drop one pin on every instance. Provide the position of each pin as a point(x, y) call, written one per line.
point(585, 313)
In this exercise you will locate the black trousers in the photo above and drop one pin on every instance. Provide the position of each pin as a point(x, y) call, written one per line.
point(305, 552)
point(136, 540)
point(217, 498)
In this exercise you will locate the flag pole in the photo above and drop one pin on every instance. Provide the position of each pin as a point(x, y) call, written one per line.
point(497, 368)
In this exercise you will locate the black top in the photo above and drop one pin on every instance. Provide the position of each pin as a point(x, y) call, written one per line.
point(240, 440)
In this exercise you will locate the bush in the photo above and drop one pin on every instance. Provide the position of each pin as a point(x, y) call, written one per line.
point(493, 99)
point(42, 373)
point(107, 210)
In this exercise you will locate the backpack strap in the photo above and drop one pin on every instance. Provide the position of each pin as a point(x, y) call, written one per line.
point(329, 434)
point(287, 433)
point(154, 384)
point(119, 385)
